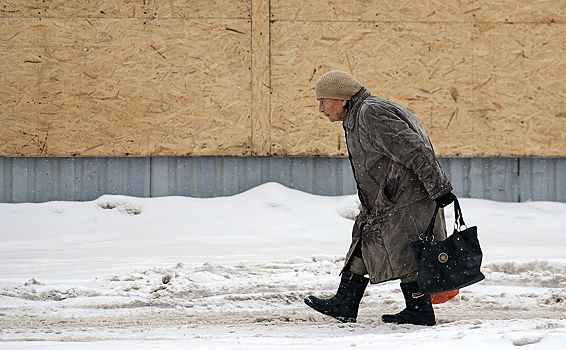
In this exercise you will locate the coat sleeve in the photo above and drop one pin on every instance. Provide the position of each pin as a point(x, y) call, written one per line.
point(392, 137)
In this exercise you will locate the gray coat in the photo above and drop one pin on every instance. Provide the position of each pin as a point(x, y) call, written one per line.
point(398, 179)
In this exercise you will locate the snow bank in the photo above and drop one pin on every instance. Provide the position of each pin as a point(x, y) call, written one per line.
point(232, 272)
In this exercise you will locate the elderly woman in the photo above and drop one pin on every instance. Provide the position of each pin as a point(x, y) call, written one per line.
point(399, 182)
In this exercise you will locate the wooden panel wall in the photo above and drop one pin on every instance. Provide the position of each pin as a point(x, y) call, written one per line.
point(486, 78)
point(236, 77)
point(125, 78)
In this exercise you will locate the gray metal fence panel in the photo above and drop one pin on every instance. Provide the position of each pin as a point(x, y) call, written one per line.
point(40, 179)
point(561, 180)
point(543, 179)
point(489, 178)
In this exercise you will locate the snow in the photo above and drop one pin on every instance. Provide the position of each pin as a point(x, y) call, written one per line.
point(231, 273)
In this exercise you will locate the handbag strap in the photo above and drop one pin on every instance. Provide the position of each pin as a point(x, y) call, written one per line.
point(429, 235)
point(458, 221)
point(458, 217)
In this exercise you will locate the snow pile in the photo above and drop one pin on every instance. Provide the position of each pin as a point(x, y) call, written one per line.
point(232, 272)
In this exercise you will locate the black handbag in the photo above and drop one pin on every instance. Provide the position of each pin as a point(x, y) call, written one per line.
point(450, 264)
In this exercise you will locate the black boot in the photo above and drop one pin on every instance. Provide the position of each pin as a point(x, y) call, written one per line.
point(344, 305)
point(419, 309)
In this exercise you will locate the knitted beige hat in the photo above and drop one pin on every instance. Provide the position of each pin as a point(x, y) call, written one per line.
point(337, 85)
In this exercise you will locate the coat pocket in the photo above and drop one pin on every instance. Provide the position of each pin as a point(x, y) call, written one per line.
point(394, 181)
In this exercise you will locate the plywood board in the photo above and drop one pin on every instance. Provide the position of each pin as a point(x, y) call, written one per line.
point(136, 87)
point(227, 77)
point(424, 67)
point(20, 32)
point(372, 10)
point(519, 92)
point(18, 108)
point(19, 70)
point(75, 8)
point(261, 79)
point(540, 11)
point(227, 9)
point(150, 9)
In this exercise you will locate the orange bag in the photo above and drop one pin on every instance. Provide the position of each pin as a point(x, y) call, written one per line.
point(443, 297)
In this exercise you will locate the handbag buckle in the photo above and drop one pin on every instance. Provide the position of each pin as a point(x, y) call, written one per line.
point(417, 295)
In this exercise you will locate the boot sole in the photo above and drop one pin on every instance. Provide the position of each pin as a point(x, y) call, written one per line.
point(428, 324)
point(342, 319)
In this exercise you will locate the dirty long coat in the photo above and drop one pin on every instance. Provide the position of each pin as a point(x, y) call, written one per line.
point(398, 179)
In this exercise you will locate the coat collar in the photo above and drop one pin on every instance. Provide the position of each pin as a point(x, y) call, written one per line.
point(354, 106)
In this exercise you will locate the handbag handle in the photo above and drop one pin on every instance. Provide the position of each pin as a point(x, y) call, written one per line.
point(459, 218)
point(458, 221)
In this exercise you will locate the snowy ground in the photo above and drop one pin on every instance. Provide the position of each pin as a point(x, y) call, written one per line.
point(231, 273)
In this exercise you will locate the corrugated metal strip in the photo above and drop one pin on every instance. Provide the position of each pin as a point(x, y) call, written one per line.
point(41, 179)
point(221, 176)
